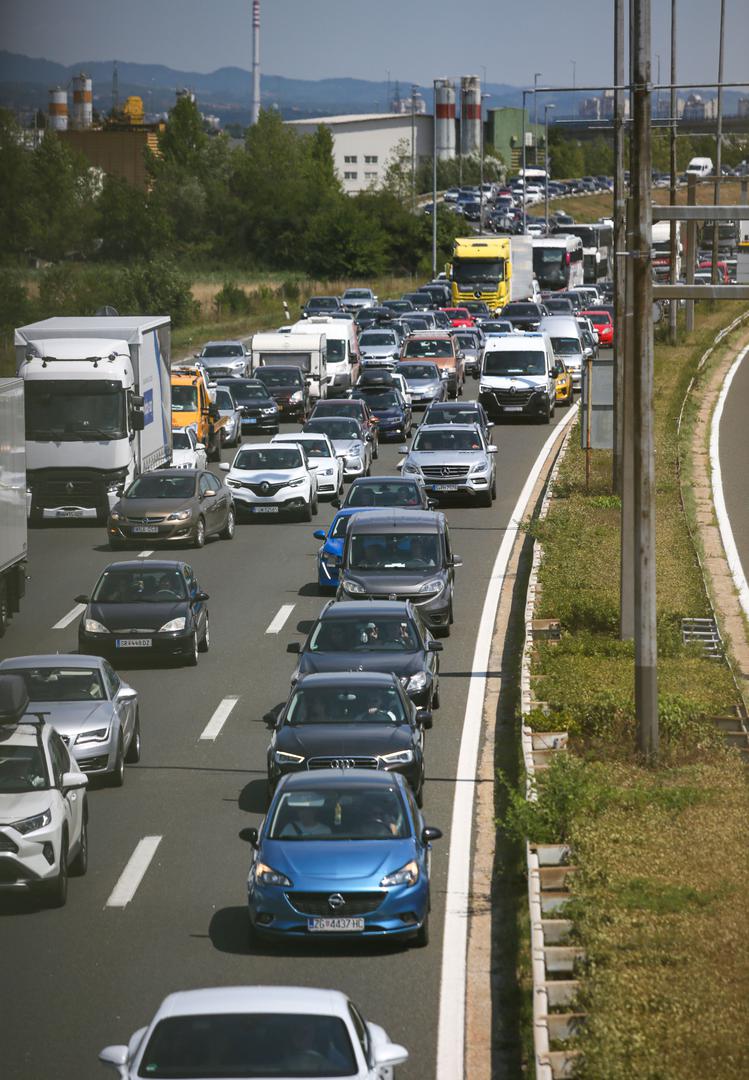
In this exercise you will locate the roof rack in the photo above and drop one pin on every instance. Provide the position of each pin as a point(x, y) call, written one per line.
point(14, 702)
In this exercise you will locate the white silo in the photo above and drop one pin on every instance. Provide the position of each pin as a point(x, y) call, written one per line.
point(470, 115)
point(83, 101)
point(58, 109)
point(444, 118)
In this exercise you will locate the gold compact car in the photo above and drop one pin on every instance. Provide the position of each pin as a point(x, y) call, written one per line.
point(563, 382)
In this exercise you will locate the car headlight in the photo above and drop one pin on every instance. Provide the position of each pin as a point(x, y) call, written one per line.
point(332, 562)
point(326, 472)
point(173, 624)
point(296, 397)
point(31, 824)
point(433, 585)
point(409, 467)
point(180, 515)
point(480, 467)
point(399, 757)
point(282, 757)
point(269, 411)
point(407, 875)
point(416, 682)
point(354, 461)
point(297, 483)
point(114, 516)
point(354, 587)
point(266, 875)
point(233, 483)
point(484, 388)
point(95, 735)
point(91, 626)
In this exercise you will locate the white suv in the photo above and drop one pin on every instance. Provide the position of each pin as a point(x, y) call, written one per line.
point(321, 458)
point(43, 807)
point(268, 478)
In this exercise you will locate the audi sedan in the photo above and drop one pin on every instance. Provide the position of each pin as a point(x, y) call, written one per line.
point(349, 439)
point(341, 853)
point(259, 410)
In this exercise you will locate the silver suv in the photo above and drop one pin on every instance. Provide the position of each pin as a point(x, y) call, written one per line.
point(453, 459)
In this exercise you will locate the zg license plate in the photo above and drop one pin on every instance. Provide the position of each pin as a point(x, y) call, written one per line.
point(513, 408)
point(265, 509)
point(326, 925)
point(134, 643)
point(145, 528)
point(445, 487)
point(69, 513)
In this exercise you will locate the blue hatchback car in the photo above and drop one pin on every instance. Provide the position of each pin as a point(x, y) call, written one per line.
point(341, 853)
point(330, 554)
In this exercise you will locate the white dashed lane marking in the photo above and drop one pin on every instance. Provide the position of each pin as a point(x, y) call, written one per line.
point(278, 622)
point(219, 718)
point(132, 875)
point(66, 620)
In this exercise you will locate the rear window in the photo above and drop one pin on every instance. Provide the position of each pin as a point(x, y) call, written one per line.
point(435, 347)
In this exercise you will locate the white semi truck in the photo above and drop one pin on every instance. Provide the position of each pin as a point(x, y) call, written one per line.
point(98, 409)
point(13, 545)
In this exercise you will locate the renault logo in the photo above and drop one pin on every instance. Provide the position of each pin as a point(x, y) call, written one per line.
point(512, 389)
point(265, 487)
point(477, 294)
point(70, 486)
point(336, 902)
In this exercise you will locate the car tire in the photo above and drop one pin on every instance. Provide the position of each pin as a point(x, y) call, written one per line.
point(421, 937)
point(205, 642)
point(116, 544)
point(117, 776)
point(306, 514)
point(485, 499)
point(227, 533)
point(375, 450)
point(191, 660)
point(198, 536)
point(56, 892)
point(132, 757)
point(315, 506)
point(436, 698)
point(79, 866)
point(494, 487)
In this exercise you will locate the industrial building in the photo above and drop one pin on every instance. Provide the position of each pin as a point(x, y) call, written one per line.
point(504, 138)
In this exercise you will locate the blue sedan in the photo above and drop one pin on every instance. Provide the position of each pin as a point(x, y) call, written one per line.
point(341, 853)
point(330, 554)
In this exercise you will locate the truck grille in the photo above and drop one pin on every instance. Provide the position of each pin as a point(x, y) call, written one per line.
point(317, 903)
point(512, 397)
point(445, 472)
point(68, 489)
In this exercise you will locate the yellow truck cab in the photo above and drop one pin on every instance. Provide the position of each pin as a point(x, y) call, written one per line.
point(481, 269)
point(193, 406)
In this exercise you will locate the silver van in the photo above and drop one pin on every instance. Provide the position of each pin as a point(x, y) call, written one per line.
point(566, 341)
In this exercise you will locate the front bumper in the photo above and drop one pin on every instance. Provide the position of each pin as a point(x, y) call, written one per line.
point(260, 423)
point(501, 403)
point(282, 502)
point(164, 532)
point(411, 772)
point(28, 860)
point(434, 610)
point(391, 427)
point(327, 485)
point(178, 644)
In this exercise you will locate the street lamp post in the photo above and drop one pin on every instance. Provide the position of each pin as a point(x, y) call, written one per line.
point(536, 76)
point(574, 73)
point(546, 159)
point(481, 169)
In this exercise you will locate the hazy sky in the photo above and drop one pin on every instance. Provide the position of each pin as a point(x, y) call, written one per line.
point(413, 39)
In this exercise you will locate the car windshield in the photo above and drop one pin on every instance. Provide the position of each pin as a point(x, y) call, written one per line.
point(248, 392)
point(379, 397)
point(273, 457)
point(335, 427)
point(564, 307)
point(61, 683)
point(222, 350)
point(184, 398)
point(322, 302)
point(325, 409)
point(515, 362)
point(144, 584)
point(181, 441)
point(249, 1045)
point(566, 346)
point(498, 326)
point(520, 309)
point(314, 448)
point(429, 347)
point(269, 376)
point(384, 493)
point(415, 372)
point(224, 400)
point(347, 704)
point(346, 812)
point(376, 337)
point(22, 769)
point(598, 318)
point(153, 486)
point(373, 634)
point(357, 294)
point(468, 341)
point(437, 414)
point(394, 551)
point(336, 349)
point(430, 438)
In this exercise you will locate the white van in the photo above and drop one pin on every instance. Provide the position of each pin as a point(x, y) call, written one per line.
point(518, 374)
point(566, 341)
point(343, 350)
point(307, 351)
point(700, 167)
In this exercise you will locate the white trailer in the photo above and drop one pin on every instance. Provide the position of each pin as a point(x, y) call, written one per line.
point(302, 349)
point(13, 543)
point(98, 409)
point(522, 286)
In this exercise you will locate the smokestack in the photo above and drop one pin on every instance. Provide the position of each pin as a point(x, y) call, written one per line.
point(58, 109)
point(444, 118)
point(470, 115)
point(83, 115)
point(255, 110)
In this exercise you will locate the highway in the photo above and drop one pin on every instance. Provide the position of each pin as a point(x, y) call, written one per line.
point(734, 461)
point(76, 979)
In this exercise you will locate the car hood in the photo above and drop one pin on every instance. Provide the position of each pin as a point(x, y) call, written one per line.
point(344, 740)
point(350, 446)
point(325, 864)
point(386, 413)
point(393, 581)
point(378, 350)
point(445, 457)
point(271, 476)
point(70, 717)
point(135, 616)
point(23, 805)
point(395, 662)
point(222, 361)
point(420, 385)
point(182, 457)
point(146, 507)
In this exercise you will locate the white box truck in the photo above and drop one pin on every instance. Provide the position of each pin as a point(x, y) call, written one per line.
point(13, 545)
point(307, 351)
point(521, 285)
point(98, 409)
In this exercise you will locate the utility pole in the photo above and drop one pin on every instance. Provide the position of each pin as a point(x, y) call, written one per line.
point(646, 656)
point(547, 107)
point(620, 242)
point(481, 175)
point(691, 252)
point(434, 185)
point(673, 307)
point(718, 142)
point(413, 146)
point(536, 76)
point(524, 160)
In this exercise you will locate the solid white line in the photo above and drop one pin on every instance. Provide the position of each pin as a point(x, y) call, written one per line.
point(143, 554)
point(66, 620)
point(219, 718)
point(451, 1031)
point(724, 523)
point(132, 875)
point(283, 613)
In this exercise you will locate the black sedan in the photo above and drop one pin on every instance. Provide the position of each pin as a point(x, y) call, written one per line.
point(147, 609)
point(403, 491)
point(388, 405)
point(350, 719)
point(287, 387)
point(524, 315)
point(259, 410)
point(180, 505)
point(383, 635)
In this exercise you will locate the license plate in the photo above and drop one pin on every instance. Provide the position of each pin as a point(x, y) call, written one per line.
point(145, 528)
point(250, 419)
point(69, 513)
point(265, 509)
point(445, 487)
point(335, 924)
point(513, 408)
point(133, 643)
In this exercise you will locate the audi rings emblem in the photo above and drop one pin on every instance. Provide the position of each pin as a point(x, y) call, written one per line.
point(336, 902)
point(343, 763)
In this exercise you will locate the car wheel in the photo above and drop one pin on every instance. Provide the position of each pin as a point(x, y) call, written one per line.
point(375, 450)
point(133, 751)
point(79, 866)
point(115, 544)
point(198, 536)
point(494, 487)
point(192, 658)
point(306, 514)
point(421, 939)
point(486, 498)
point(56, 892)
point(436, 698)
point(314, 506)
point(117, 777)
point(227, 533)
point(340, 489)
point(205, 643)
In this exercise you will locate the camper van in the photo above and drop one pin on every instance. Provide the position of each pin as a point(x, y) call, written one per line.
point(700, 167)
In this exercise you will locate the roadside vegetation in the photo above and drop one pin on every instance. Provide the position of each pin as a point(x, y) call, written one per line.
point(658, 899)
point(585, 208)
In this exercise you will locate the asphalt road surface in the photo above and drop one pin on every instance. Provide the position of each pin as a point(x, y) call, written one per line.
point(76, 979)
point(734, 460)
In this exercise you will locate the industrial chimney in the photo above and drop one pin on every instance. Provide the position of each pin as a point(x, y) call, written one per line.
point(83, 107)
point(58, 109)
point(470, 115)
point(444, 118)
point(255, 109)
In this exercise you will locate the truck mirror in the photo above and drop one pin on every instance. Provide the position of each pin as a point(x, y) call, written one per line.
point(138, 421)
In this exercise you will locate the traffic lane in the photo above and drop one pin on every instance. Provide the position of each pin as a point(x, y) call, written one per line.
point(178, 806)
point(734, 461)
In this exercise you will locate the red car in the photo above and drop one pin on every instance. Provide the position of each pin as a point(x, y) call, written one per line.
point(723, 278)
point(459, 316)
point(604, 324)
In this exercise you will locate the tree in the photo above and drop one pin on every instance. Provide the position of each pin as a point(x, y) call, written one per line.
point(567, 159)
point(342, 240)
point(128, 226)
point(16, 214)
point(61, 193)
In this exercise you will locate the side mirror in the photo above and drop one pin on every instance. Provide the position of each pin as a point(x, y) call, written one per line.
point(224, 466)
point(293, 647)
point(202, 596)
point(200, 446)
point(73, 781)
point(432, 504)
point(456, 561)
point(491, 449)
point(126, 693)
point(138, 421)
point(402, 449)
point(435, 646)
point(209, 492)
point(390, 1054)
point(252, 836)
point(424, 717)
point(429, 833)
point(319, 534)
point(336, 503)
point(114, 1055)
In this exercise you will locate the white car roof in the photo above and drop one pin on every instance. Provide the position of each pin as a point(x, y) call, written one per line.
point(515, 342)
point(255, 999)
point(300, 436)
